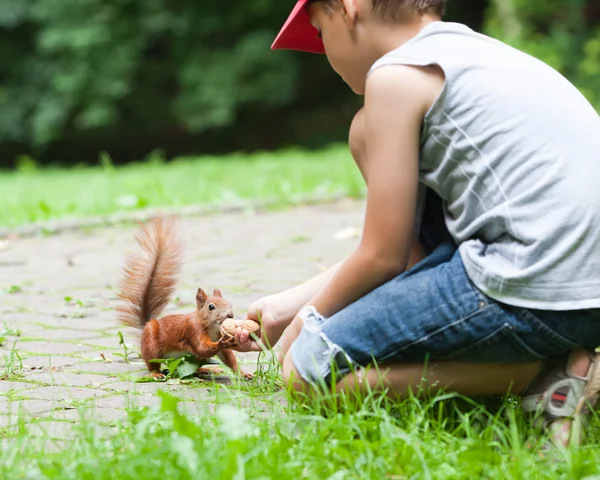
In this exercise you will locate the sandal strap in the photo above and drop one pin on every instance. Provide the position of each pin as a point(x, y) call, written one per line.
point(557, 400)
point(560, 394)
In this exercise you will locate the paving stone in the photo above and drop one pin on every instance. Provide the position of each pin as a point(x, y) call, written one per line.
point(196, 396)
point(28, 407)
point(47, 362)
point(65, 394)
point(89, 324)
point(109, 367)
point(132, 387)
point(69, 379)
point(118, 402)
point(6, 386)
point(53, 429)
point(196, 409)
point(7, 421)
point(92, 413)
point(50, 347)
point(65, 334)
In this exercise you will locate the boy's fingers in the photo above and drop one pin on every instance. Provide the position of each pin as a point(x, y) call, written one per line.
point(243, 341)
point(244, 335)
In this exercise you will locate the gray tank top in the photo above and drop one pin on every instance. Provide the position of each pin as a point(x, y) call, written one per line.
point(513, 150)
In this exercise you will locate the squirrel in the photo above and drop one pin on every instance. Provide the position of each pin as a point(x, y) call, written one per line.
point(146, 287)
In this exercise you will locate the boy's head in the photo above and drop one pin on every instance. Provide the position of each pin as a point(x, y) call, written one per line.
point(398, 9)
point(355, 33)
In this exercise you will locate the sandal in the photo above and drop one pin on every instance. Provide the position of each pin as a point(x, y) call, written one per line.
point(563, 397)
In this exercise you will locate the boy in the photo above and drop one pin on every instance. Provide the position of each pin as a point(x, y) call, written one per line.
point(504, 292)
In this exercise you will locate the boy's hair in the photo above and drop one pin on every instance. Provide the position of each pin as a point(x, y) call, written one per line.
point(397, 9)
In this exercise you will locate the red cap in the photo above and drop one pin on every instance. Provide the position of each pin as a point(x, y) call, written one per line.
point(298, 33)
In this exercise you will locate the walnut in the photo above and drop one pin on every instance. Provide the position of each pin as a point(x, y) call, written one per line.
point(228, 327)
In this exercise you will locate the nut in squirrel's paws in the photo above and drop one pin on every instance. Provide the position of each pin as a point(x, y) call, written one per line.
point(228, 327)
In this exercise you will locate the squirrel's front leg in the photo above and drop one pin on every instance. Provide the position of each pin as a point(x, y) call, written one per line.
point(203, 346)
point(228, 358)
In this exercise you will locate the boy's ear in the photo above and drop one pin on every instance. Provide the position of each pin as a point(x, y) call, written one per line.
point(201, 298)
point(350, 12)
point(217, 293)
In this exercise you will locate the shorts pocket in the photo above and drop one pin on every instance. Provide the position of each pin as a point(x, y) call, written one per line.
point(502, 345)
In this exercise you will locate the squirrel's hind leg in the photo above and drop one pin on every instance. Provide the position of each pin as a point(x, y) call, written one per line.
point(209, 371)
point(151, 348)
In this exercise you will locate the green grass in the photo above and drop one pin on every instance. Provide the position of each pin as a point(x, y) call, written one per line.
point(254, 436)
point(33, 195)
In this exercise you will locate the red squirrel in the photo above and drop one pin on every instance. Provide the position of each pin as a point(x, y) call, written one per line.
point(148, 282)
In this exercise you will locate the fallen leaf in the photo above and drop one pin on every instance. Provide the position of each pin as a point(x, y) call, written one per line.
point(105, 358)
point(347, 233)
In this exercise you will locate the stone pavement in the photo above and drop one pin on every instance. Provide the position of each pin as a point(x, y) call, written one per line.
point(59, 293)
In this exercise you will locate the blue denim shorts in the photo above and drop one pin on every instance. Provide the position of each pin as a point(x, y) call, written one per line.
point(434, 312)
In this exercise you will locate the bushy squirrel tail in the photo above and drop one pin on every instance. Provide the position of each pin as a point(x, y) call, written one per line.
point(150, 276)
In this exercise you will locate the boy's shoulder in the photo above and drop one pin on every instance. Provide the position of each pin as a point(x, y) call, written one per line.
point(453, 45)
point(463, 67)
point(420, 81)
point(418, 85)
point(407, 68)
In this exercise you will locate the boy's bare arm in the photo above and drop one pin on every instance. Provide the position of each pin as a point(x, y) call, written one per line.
point(396, 100)
point(277, 311)
point(292, 300)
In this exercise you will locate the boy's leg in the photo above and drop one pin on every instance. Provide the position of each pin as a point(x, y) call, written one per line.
point(431, 310)
point(469, 379)
point(434, 315)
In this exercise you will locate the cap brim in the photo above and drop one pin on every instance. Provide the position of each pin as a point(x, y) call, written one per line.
point(298, 33)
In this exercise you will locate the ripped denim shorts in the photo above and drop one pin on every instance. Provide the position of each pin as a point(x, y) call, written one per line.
point(434, 312)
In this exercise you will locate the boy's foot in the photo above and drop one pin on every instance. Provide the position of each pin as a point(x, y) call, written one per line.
point(566, 390)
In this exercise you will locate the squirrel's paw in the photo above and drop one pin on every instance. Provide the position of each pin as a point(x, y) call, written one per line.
point(227, 341)
point(209, 371)
point(248, 376)
point(157, 376)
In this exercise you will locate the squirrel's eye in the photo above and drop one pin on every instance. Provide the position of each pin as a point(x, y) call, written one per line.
point(211, 306)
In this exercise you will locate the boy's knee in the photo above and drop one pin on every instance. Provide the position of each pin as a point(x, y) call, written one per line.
point(357, 139)
point(287, 367)
point(291, 376)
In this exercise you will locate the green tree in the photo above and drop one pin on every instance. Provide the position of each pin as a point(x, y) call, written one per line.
point(563, 33)
point(80, 76)
point(84, 65)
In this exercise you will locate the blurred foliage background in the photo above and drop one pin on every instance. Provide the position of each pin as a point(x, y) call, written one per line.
point(78, 77)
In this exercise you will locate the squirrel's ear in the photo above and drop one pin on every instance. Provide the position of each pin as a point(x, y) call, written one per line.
point(217, 293)
point(201, 298)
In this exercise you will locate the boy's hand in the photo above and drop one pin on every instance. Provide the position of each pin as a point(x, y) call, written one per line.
point(263, 311)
